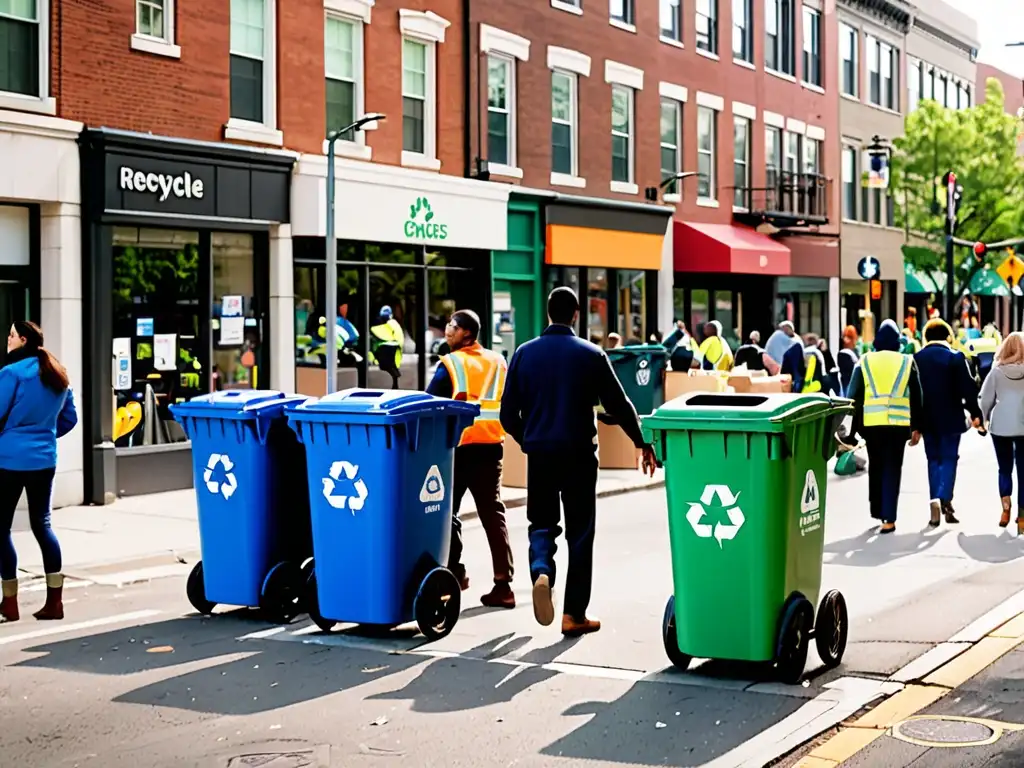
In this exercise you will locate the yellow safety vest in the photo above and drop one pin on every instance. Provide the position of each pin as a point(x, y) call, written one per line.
point(716, 352)
point(478, 376)
point(388, 334)
point(886, 389)
point(810, 383)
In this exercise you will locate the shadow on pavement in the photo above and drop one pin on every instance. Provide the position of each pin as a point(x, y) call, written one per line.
point(440, 687)
point(869, 548)
point(674, 725)
point(992, 547)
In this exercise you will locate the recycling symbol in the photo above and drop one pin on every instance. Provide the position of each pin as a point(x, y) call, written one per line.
point(643, 373)
point(343, 471)
point(433, 486)
point(218, 476)
point(725, 499)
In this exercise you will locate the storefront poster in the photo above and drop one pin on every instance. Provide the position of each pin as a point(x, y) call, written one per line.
point(232, 331)
point(122, 364)
point(231, 306)
point(144, 326)
point(165, 349)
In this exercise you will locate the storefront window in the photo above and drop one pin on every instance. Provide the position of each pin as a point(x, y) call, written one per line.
point(236, 330)
point(632, 305)
point(158, 353)
point(726, 315)
point(698, 312)
point(597, 305)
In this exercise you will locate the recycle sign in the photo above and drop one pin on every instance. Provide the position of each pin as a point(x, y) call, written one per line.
point(218, 475)
point(345, 471)
point(720, 531)
point(643, 373)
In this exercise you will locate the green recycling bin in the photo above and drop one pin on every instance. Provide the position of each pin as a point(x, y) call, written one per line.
point(641, 369)
point(745, 476)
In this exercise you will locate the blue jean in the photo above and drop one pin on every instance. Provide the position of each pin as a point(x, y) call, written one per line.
point(943, 452)
point(1010, 451)
point(38, 486)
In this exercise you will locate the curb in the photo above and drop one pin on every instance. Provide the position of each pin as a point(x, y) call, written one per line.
point(605, 494)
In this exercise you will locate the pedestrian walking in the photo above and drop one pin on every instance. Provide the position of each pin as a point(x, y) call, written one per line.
point(471, 373)
point(848, 359)
point(555, 382)
point(948, 389)
point(815, 377)
point(751, 355)
point(36, 408)
point(1002, 408)
point(886, 391)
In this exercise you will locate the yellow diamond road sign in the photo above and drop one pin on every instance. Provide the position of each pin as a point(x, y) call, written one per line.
point(1012, 269)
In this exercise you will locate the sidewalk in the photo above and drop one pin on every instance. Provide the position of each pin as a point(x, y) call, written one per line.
point(157, 535)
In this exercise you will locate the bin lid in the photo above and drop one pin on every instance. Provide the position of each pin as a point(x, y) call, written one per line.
point(638, 350)
point(380, 403)
point(236, 399)
point(748, 412)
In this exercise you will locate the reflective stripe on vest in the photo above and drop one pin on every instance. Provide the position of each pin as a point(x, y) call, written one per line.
point(810, 383)
point(887, 389)
point(478, 376)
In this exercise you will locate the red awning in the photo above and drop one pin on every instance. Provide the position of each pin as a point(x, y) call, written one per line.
point(727, 248)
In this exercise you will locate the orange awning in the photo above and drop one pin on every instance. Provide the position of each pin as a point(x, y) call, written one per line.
point(727, 248)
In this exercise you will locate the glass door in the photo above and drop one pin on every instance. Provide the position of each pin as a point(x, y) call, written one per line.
point(235, 320)
point(13, 306)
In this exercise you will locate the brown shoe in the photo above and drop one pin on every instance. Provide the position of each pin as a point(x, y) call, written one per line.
point(9, 601)
point(543, 601)
point(53, 609)
point(887, 528)
point(1004, 519)
point(949, 512)
point(936, 514)
point(573, 628)
point(501, 596)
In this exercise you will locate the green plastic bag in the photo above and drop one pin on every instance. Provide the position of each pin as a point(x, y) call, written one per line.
point(846, 464)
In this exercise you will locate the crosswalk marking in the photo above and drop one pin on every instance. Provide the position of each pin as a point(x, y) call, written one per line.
point(61, 628)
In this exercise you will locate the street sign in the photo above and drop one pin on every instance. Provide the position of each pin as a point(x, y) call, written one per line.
point(1012, 269)
point(869, 268)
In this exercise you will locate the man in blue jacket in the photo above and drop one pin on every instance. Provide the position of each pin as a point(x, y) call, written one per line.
point(949, 389)
point(553, 386)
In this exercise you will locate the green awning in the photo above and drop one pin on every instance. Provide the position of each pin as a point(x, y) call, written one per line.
point(923, 281)
point(987, 282)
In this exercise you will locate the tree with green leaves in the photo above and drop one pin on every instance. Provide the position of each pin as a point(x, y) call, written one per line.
point(979, 145)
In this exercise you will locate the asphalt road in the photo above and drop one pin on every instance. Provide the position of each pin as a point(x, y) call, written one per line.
point(132, 678)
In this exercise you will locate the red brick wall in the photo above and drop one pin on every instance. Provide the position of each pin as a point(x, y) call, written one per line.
point(1012, 87)
point(101, 81)
point(591, 34)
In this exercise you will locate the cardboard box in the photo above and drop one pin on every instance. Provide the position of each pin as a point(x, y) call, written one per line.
point(615, 450)
point(679, 383)
point(771, 384)
point(513, 465)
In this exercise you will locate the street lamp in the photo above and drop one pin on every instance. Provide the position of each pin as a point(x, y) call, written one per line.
point(331, 329)
point(651, 193)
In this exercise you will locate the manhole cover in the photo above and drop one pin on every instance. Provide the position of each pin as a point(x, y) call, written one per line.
point(951, 732)
point(292, 759)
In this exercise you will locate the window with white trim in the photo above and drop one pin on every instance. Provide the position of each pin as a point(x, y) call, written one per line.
point(21, 47)
point(622, 11)
point(778, 26)
point(706, 141)
point(622, 133)
point(812, 46)
point(416, 60)
point(707, 25)
point(913, 84)
point(740, 160)
point(671, 14)
point(772, 155)
point(153, 18)
point(883, 73)
point(792, 153)
point(849, 183)
point(812, 156)
point(671, 142)
point(563, 122)
point(252, 47)
point(501, 110)
point(743, 30)
point(343, 59)
point(849, 45)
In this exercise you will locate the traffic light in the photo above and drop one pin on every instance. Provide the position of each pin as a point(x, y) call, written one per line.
point(980, 249)
point(876, 290)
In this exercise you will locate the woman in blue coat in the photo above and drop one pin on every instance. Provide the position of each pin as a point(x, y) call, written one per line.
point(36, 407)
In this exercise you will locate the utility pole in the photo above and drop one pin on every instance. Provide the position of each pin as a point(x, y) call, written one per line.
point(953, 193)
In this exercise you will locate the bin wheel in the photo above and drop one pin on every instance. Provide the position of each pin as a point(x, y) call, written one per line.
point(281, 596)
point(313, 605)
point(437, 603)
point(794, 639)
point(307, 571)
point(195, 589)
point(669, 637)
point(831, 629)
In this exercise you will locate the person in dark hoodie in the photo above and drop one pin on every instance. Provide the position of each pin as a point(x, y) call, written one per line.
point(948, 388)
point(886, 392)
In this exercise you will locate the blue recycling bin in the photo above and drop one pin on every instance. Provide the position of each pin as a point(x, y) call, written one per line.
point(380, 468)
point(250, 481)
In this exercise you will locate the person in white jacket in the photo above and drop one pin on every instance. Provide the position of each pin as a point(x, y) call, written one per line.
point(1002, 409)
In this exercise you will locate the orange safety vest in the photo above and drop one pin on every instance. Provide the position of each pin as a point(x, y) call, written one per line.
point(478, 376)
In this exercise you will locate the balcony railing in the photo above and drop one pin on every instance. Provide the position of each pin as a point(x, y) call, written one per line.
point(790, 199)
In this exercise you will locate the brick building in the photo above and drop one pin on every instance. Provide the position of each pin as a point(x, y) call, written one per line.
point(593, 110)
point(163, 204)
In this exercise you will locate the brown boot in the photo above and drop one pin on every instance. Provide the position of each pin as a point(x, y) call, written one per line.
point(949, 512)
point(501, 596)
point(572, 627)
point(9, 601)
point(936, 514)
point(53, 610)
point(1004, 519)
